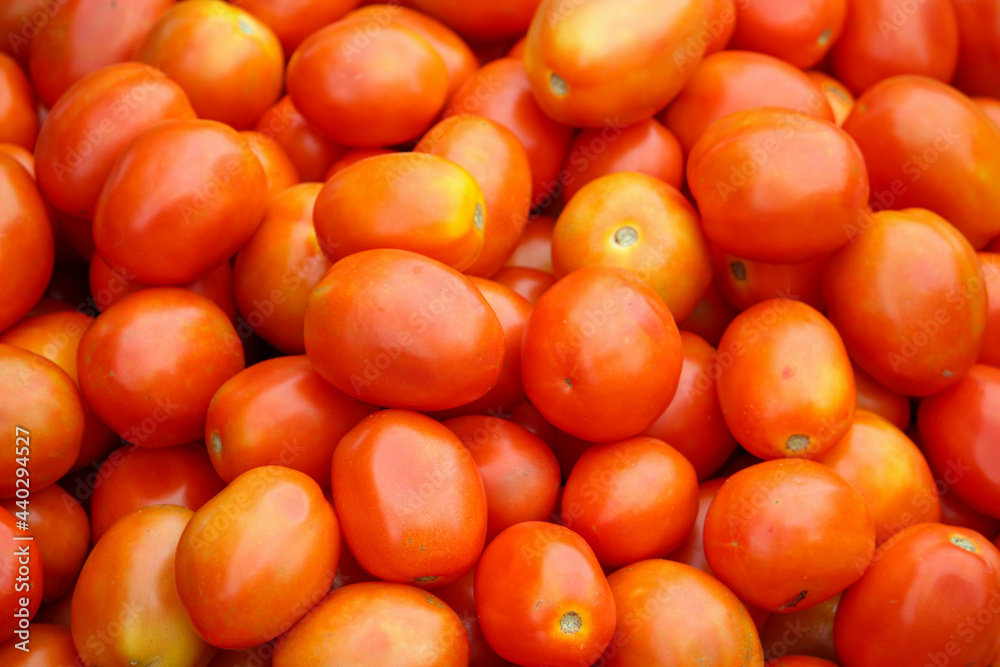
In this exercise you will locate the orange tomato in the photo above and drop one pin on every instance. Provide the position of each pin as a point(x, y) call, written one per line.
point(482, 22)
point(710, 317)
point(527, 282)
point(19, 21)
point(837, 94)
point(310, 152)
point(352, 156)
point(294, 20)
point(744, 283)
point(989, 264)
point(808, 632)
point(460, 597)
point(18, 115)
point(50, 645)
point(876, 397)
point(719, 25)
point(279, 170)
point(798, 32)
point(979, 47)
point(534, 247)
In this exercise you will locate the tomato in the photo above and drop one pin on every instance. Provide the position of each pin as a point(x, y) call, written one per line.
point(955, 513)
point(310, 152)
point(979, 47)
point(990, 106)
point(279, 412)
point(135, 477)
point(631, 500)
point(353, 156)
point(256, 557)
point(500, 91)
point(932, 595)
point(692, 550)
point(527, 282)
point(294, 20)
point(279, 170)
point(785, 382)
point(459, 596)
point(946, 159)
point(798, 32)
point(719, 26)
point(418, 333)
point(733, 81)
point(788, 534)
point(18, 116)
point(595, 62)
point(710, 317)
point(744, 283)
point(808, 633)
point(229, 63)
point(528, 416)
point(737, 173)
point(49, 645)
point(42, 418)
point(82, 36)
point(220, 201)
point(377, 624)
point(19, 21)
point(693, 422)
point(150, 364)
point(482, 22)
point(379, 89)
point(640, 224)
point(672, 614)
point(914, 330)
point(882, 39)
point(958, 429)
point(494, 157)
point(576, 369)
point(27, 242)
point(534, 247)
point(837, 94)
point(877, 398)
point(258, 656)
point(410, 499)
point(25, 158)
point(799, 661)
point(62, 535)
point(20, 578)
point(542, 598)
point(646, 147)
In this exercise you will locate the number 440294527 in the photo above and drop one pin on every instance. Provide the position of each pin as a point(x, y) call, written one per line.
point(22, 450)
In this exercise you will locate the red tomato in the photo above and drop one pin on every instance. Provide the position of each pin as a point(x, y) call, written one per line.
point(719, 26)
point(534, 248)
point(916, 335)
point(576, 369)
point(258, 656)
point(710, 317)
point(294, 20)
point(798, 32)
point(670, 614)
point(527, 282)
point(883, 38)
point(837, 94)
point(279, 412)
point(353, 156)
point(877, 398)
point(279, 170)
point(378, 624)
point(788, 534)
point(20, 578)
point(738, 171)
point(744, 283)
point(419, 334)
point(979, 47)
point(785, 384)
point(542, 598)
point(25, 158)
point(135, 477)
point(19, 21)
point(18, 115)
point(799, 661)
point(50, 645)
point(256, 557)
point(310, 152)
point(460, 597)
point(151, 363)
point(808, 632)
point(410, 498)
point(955, 513)
point(692, 549)
point(990, 106)
point(482, 22)
point(929, 598)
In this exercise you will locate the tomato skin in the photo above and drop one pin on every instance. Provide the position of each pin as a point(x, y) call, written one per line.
point(461, 598)
point(800, 33)
point(294, 20)
point(495, 159)
point(720, 24)
point(129, 579)
point(757, 215)
point(482, 22)
point(19, 22)
point(406, 319)
point(583, 71)
point(534, 248)
point(811, 633)
point(561, 613)
point(401, 475)
point(960, 166)
point(990, 106)
point(924, 587)
point(837, 94)
point(51, 645)
point(786, 386)
point(788, 534)
point(879, 399)
point(527, 282)
point(135, 477)
point(693, 422)
point(745, 283)
point(353, 156)
point(917, 336)
point(413, 627)
point(979, 47)
point(310, 152)
point(692, 550)
point(955, 513)
point(26, 159)
point(18, 115)
point(640, 224)
point(799, 661)
point(710, 317)
point(279, 412)
point(573, 364)
point(246, 579)
point(279, 170)
point(124, 379)
point(360, 113)
point(876, 44)
point(733, 81)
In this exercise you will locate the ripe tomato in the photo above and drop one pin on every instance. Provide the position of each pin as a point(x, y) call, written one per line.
point(955, 513)
point(150, 364)
point(49, 645)
point(310, 152)
point(352, 156)
point(256, 557)
point(534, 248)
point(19, 22)
point(946, 162)
point(379, 624)
point(786, 386)
point(672, 614)
point(719, 26)
point(410, 498)
point(482, 22)
point(733, 81)
point(419, 334)
point(228, 62)
point(744, 283)
point(640, 224)
point(919, 335)
point(26, 159)
point(931, 596)
point(279, 170)
point(710, 317)
point(527, 282)
point(837, 94)
point(279, 412)
point(693, 422)
point(882, 39)
point(126, 606)
point(601, 357)
point(596, 62)
point(798, 32)
point(459, 596)
point(135, 477)
point(692, 549)
point(18, 115)
point(542, 598)
point(788, 534)
point(294, 20)
point(631, 500)
point(979, 47)
point(808, 632)
point(799, 661)
point(877, 398)
point(989, 264)
point(20, 578)
point(737, 173)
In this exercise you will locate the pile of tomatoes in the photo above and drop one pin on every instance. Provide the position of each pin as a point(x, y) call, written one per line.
point(552, 333)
